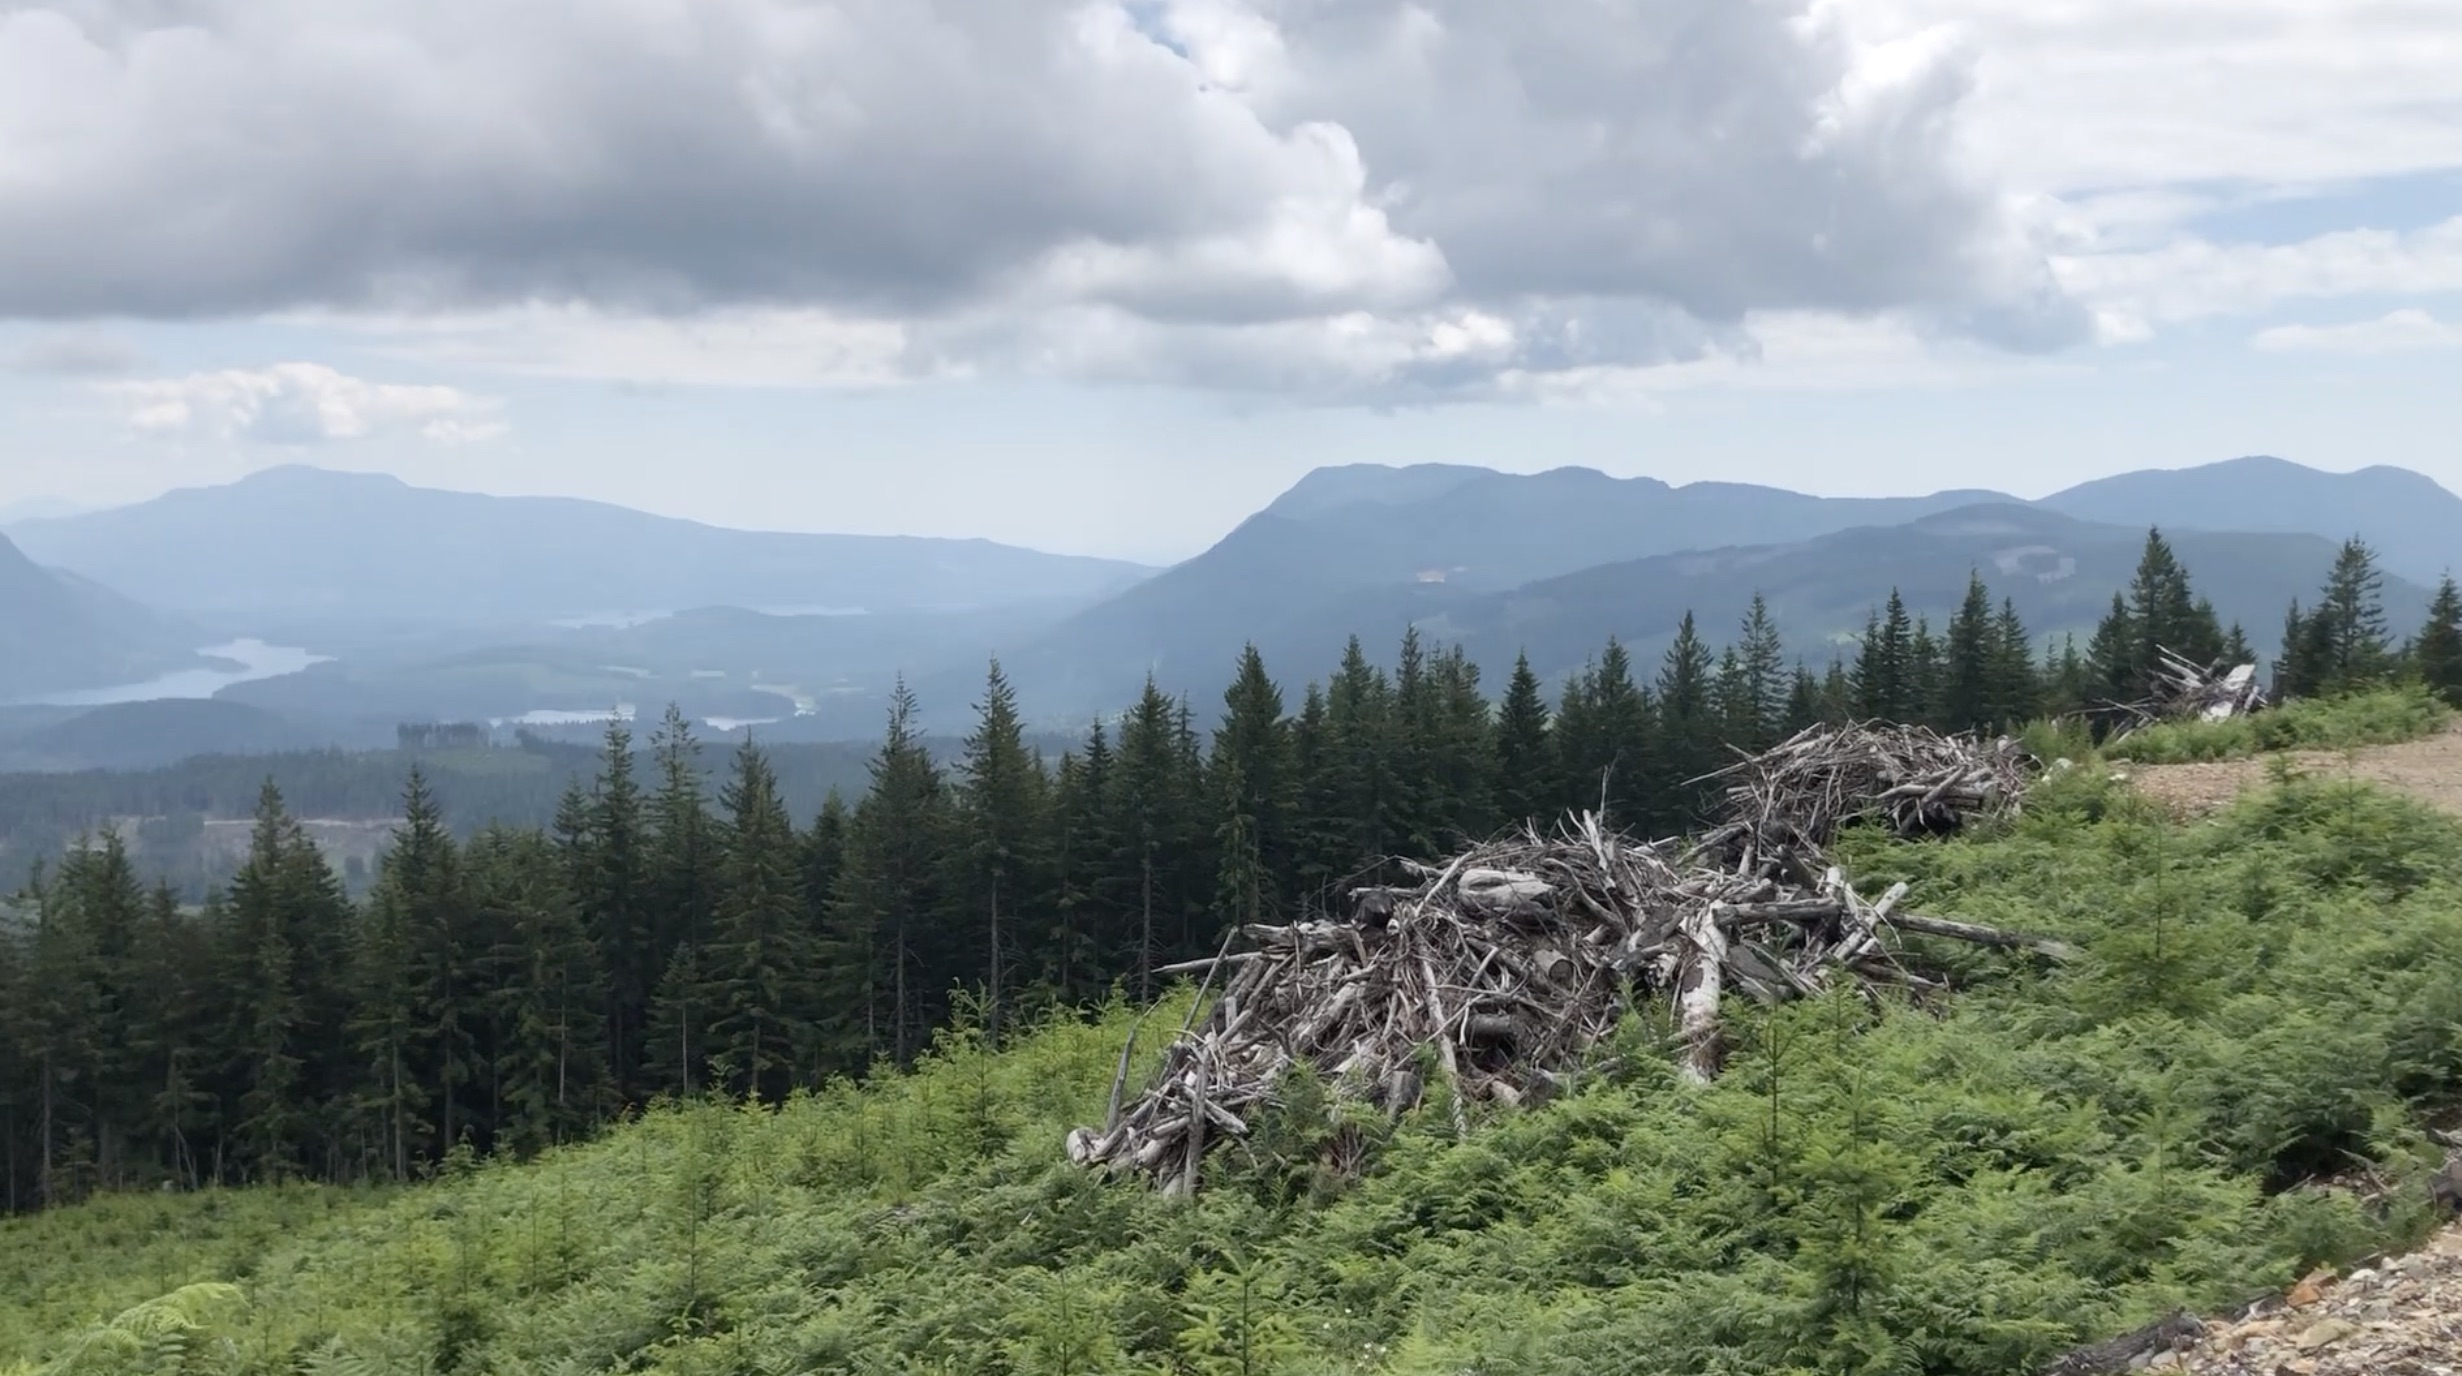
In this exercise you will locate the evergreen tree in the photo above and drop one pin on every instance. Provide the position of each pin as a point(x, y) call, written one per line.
point(1162, 872)
point(2111, 664)
point(1525, 759)
point(2163, 614)
point(1971, 665)
point(446, 949)
point(760, 956)
point(2352, 612)
point(881, 939)
point(683, 868)
point(1252, 771)
point(608, 868)
point(2014, 690)
point(547, 1056)
point(1766, 685)
point(2437, 650)
point(1071, 965)
point(284, 912)
point(996, 834)
point(1688, 726)
point(1884, 671)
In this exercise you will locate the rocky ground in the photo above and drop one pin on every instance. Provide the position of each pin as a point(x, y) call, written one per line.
point(2399, 1317)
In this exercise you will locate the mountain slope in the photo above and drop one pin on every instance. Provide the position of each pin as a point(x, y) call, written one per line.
point(2061, 572)
point(303, 543)
point(59, 631)
point(2414, 524)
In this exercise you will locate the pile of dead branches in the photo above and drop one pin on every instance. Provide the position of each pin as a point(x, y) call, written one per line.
point(2215, 692)
point(1784, 806)
point(1495, 973)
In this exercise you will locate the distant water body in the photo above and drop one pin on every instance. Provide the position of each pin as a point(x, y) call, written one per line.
point(255, 660)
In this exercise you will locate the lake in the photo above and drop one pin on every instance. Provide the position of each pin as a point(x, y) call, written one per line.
point(255, 659)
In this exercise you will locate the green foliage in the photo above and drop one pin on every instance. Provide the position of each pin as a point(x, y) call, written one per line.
point(2378, 717)
point(2267, 1000)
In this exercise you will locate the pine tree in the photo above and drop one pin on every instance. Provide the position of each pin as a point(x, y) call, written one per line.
point(1766, 684)
point(1688, 726)
point(2437, 650)
point(1071, 967)
point(1252, 773)
point(446, 951)
point(880, 943)
point(2163, 614)
point(1883, 676)
point(761, 952)
point(607, 865)
point(997, 832)
point(683, 862)
point(2352, 610)
point(547, 1057)
point(1525, 759)
point(2112, 667)
point(1971, 664)
point(2014, 689)
point(1923, 675)
point(1162, 872)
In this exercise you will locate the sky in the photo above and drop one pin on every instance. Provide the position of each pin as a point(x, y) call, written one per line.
point(1104, 276)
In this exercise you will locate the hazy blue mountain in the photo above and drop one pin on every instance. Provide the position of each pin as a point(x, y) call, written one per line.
point(2414, 524)
point(147, 735)
point(2060, 571)
point(39, 509)
point(60, 631)
point(296, 546)
point(1365, 523)
point(1388, 545)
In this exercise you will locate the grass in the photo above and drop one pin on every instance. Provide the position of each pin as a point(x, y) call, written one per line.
point(2382, 717)
point(2267, 1000)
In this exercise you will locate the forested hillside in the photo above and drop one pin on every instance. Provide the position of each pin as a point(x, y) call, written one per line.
point(502, 993)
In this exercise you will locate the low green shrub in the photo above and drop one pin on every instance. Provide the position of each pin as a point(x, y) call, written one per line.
point(2381, 717)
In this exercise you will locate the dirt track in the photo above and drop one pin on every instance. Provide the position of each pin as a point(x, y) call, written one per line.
point(2428, 769)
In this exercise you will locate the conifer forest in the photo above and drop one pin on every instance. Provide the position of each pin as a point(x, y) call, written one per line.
point(688, 1082)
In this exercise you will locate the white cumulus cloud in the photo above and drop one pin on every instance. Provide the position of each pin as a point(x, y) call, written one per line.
point(2393, 332)
point(917, 178)
point(300, 404)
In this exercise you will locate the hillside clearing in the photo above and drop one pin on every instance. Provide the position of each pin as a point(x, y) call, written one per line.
point(2428, 769)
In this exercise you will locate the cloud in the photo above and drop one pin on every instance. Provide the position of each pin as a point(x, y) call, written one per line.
point(2192, 278)
point(80, 353)
point(300, 404)
point(2397, 331)
point(2080, 97)
point(919, 177)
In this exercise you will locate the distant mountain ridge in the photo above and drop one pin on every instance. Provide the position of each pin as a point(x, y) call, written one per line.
point(1554, 562)
point(304, 543)
point(59, 631)
point(2413, 522)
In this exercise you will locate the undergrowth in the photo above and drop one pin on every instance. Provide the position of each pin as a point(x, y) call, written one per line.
point(2382, 717)
point(2268, 1002)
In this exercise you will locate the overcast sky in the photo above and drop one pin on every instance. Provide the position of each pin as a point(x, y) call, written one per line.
point(1106, 276)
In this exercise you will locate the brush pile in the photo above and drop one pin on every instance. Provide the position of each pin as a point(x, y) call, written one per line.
point(1496, 972)
point(2216, 692)
point(1784, 806)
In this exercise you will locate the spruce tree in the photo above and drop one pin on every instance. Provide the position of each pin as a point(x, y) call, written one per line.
point(1761, 658)
point(761, 953)
point(2014, 691)
point(881, 944)
point(994, 857)
point(1525, 760)
point(1255, 795)
point(2437, 650)
point(1070, 964)
point(683, 861)
point(447, 949)
point(1884, 671)
point(2352, 609)
point(1688, 726)
point(547, 1056)
point(1970, 663)
point(608, 868)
